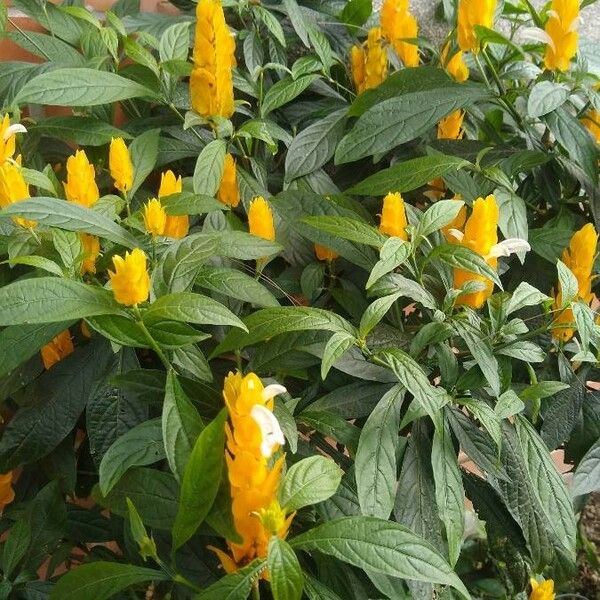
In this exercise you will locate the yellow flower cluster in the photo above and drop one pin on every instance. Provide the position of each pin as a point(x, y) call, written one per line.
point(176, 226)
point(228, 192)
point(480, 235)
point(456, 66)
point(130, 280)
point(57, 349)
point(211, 82)
point(13, 189)
point(325, 253)
point(81, 187)
point(579, 257)
point(543, 590)
point(393, 216)
point(253, 437)
point(369, 62)
point(450, 127)
point(470, 14)
point(592, 122)
point(397, 24)
point(561, 31)
point(7, 494)
point(120, 165)
point(7, 138)
point(260, 219)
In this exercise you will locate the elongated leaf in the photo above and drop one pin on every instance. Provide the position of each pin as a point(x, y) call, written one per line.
point(144, 152)
point(544, 97)
point(209, 168)
point(235, 586)
point(80, 87)
point(348, 228)
point(375, 463)
point(285, 573)
point(81, 130)
point(53, 212)
point(441, 213)
point(587, 474)
point(381, 546)
point(284, 91)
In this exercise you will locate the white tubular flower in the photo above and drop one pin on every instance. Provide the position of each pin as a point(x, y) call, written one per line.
point(273, 390)
point(508, 247)
point(16, 128)
point(270, 429)
point(455, 233)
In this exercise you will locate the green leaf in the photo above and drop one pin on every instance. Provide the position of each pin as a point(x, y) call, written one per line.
point(285, 574)
point(525, 295)
point(297, 19)
point(186, 203)
point(54, 212)
point(191, 308)
point(272, 23)
point(80, 87)
point(401, 119)
point(393, 253)
point(544, 97)
point(181, 425)
point(235, 586)
point(525, 351)
point(209, 168)
point(50, 299)
point(375, 313)
point(380, 546)
point(84, 131)
point(56, 401)
point(337, 345)
point(587, 475)
point(375, 463)
point(142, 445)
point(101, 580)
point(201, 480)
point(309, 481)
point(37, 262)
point(348, 228)
point(269, 322)
point(315, 145)
point(144, 152)
point(175, 42)
point(449, 492)
point(437, 216)
point(244, 246)
point(235, 284)
point(356, 12)
point(16, 546)
point(508, 405)
point(394, 282)
point(568, 283)
point(284, 91)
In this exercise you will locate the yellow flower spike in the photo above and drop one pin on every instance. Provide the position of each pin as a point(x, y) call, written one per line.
point(561, 31)
point(357, 67)
point(176, 226)
point(91, 251)
point(579, 257)
point(393, 216)
point(397, 24)
point(542, 591)
point(457, 67)
point(592, 123)
point(471, 13)
point(211, 82)
point(7, 494)
point(57, 349)
point(155, 217)
point(7, 137)
point(130, 280)
point(120, 165)
point(450, 127)
point(80, 186)
point(375, 60)
point(480, 235)
point(13, 188)
point(260, 219)
point(228, 192)
point(325, 253)
point(253, 436)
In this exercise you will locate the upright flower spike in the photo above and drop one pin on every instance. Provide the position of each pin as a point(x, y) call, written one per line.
point(325, 253)
point(393, 216)
point(228, 192)
point(91, 251)
point(450, 127)
point(130, 280)
point(471, 13)
point(7, 137)
point(561, 32)
point(369, 62)
point(543, 590)
point(357, 67)
point(398, 24)
point(579, 257)
point(456, 66)
point(155, 217)
point(13, 188)
point(260, 219)
point(7, 494)
point(57, 349)
point(480, 235)
point(80, 186)
point(253, 437)
point(120, 165)
point(176, 226)
point(211, 82)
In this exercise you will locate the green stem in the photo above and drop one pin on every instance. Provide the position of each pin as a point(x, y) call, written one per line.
point(153, 344)
point(255, 591)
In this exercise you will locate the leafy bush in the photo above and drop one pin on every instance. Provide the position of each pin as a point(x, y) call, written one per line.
point(216, 198)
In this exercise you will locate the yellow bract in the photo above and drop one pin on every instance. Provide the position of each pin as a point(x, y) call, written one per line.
point(7, 140)
point(393, 216)
point(561, 29)
point(471, 13)
point(57, 349)
point(176, 226)
point(480, 235)
point(579, 257)
point(13, 189)
point(155, 217)
point(450, 127)
point(397, 24)
point(80, 186)
point(457, 67)
point(325, 253)
point(228, 192)
point(130, 280)
point(7, 494)
point(260, 219)
point(91, 251)
point(592, 123)
point(542, 591)
point(211, 83)
point(119, 162)
point(369, 62)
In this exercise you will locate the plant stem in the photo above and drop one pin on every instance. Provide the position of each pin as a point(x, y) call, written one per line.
point(153, 344)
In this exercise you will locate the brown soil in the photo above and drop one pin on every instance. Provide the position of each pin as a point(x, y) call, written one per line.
point(588, 578)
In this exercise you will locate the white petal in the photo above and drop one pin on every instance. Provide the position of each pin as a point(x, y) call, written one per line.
point(16, 128)
point(273, 390)
point(508, 247)
point(455, 233)
point(535, 34)
point(269, 427)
